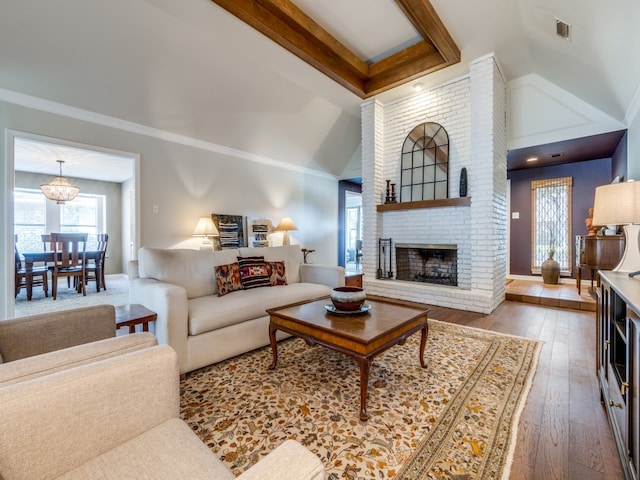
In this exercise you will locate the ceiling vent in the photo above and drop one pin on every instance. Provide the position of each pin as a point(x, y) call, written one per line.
point(562, 29)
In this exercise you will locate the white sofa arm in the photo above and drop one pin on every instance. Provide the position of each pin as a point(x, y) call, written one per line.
point(290, 461)
point(170, 303)
point(330, 275)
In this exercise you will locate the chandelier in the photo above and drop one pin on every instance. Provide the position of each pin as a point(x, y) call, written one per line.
point(60, 190)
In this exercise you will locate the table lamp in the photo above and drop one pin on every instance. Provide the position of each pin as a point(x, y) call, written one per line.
point(619, 204)
point(285, 225)
point(205, 228)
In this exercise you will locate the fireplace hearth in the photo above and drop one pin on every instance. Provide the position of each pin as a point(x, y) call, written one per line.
point(427, 263)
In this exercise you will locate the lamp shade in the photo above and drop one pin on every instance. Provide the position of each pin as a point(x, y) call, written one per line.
point(617, 204)
point(205, 228)
point(59, 189)
point(285, 225)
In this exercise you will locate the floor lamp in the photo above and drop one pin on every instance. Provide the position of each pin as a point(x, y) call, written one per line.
point(619, 204)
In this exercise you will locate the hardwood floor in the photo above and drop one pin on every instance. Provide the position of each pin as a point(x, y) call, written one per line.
point(563, 431)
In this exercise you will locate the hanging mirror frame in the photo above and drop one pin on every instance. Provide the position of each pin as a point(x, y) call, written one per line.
point(424, 164)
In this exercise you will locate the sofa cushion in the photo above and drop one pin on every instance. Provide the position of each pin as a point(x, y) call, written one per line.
point(277, 273)
point(291, 255)
point(253, 272)
point(190, 269)
point(213, 312)
point(225, 257)
point(169, 451)
point(228, 278)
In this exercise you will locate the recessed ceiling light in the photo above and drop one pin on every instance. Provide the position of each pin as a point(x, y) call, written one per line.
point(418, 87)
point(532, 159)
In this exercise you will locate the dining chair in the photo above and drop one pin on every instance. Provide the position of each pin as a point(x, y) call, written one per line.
point(69, 259)
point(47, 246)
point(90, 268)
point(40, 274)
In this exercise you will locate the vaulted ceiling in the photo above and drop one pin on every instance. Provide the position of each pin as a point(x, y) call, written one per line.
point(193, 69)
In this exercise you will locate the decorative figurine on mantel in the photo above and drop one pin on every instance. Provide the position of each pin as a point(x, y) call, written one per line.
point(391, 193)
point(591, 229)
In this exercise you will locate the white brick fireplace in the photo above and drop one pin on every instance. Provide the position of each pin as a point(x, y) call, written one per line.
point(472, 109)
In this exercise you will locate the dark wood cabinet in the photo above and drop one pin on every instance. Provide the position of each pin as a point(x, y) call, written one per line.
point(597, 253)
point(618, 362)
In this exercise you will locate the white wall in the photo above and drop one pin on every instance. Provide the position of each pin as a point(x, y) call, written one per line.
point(184, 181)
point(540, 112)
point(633, 139)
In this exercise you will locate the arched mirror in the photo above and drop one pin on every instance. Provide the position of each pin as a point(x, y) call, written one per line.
point(424, 167)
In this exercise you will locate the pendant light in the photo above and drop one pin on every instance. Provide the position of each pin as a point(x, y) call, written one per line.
point(60, 190)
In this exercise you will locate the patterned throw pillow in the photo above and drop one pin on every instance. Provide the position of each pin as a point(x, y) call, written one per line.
point(253, 272)
point(277, 273)
point(228, 278)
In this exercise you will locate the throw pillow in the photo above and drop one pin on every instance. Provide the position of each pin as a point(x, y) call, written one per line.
point(228, 278)
point(277, 273)
point(253, 272)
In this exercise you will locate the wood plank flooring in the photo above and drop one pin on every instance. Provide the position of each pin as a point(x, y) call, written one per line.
point(563, 431)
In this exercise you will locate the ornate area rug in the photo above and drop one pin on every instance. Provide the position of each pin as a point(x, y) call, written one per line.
point(455, 419)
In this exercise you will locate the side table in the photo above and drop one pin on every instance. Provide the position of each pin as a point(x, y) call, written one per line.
point(134, 314)
point(353, 279)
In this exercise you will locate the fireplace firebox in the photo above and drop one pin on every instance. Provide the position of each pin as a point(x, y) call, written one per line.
point(427, 263)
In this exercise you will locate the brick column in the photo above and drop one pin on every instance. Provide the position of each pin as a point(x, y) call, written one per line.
point(489, 173)
point(373, 183)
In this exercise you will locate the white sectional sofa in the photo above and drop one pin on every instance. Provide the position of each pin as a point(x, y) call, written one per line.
point(202, 326)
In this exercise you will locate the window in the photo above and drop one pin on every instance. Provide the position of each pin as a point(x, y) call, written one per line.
point(424, 173)
point(30, 213)
point(34, 216)
point(551, 223)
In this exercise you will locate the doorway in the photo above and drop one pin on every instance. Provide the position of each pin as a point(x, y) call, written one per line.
point(353, 232)
point(32, 160)
point(350, 225)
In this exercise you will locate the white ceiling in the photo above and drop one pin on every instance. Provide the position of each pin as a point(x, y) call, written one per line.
point(42, 156)
point(347, 23)
point(191, 68)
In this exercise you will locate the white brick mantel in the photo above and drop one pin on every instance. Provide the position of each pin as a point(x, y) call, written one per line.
point(472, 110)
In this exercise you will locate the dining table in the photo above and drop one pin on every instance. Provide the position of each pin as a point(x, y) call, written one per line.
point(31, 257)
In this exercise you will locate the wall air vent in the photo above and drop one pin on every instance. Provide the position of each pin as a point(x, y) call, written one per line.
point(562, 29)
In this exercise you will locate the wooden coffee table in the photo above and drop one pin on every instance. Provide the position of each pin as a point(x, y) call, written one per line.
point(362, 337)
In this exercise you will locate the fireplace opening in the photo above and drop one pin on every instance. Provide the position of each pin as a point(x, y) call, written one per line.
point(427, 263)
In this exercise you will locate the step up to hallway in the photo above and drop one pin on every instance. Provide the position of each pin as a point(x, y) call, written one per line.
point(559, 296)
